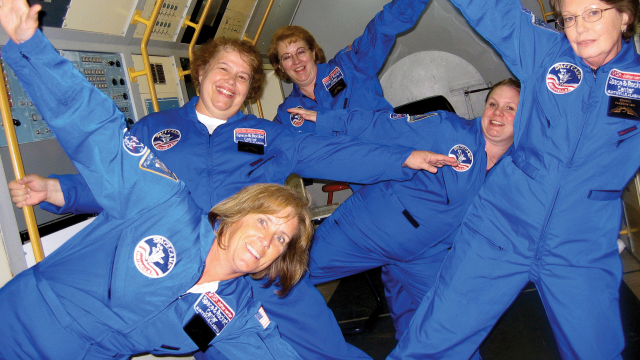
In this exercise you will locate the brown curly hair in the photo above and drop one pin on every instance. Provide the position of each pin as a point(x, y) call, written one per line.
point(629, 7)
point(270, 199)
point(208, 51)
point(288, 35)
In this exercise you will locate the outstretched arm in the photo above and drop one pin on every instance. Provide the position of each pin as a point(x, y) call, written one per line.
point(121, 171)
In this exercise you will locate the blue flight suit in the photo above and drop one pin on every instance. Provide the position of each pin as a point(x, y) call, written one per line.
point(357, 66)
point(405, 226)
point(120, 286)
point(552, 214)
point(214, 169)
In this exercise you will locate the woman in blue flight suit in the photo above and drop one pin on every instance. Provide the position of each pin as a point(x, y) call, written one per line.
point(409, 226)
point(145, 275)
point(350, 79)
point(244, 150)
point(551, 215)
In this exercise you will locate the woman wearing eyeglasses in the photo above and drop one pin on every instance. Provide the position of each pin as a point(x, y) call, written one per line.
point(551, 215)
point(350, 79)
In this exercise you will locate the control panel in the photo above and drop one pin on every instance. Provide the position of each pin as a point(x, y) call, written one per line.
point(105, 71)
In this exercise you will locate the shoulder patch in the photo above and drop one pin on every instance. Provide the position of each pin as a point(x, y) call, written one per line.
point(132, 144)
point(414, 118)
point(152, 164)
point(463, 155)
point(154, 256)
point(214, 311)
point(537, 21)
point(563, 78)
point(166, 139)
point(296, 119)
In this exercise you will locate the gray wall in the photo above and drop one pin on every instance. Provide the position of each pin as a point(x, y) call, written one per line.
point(335, 23)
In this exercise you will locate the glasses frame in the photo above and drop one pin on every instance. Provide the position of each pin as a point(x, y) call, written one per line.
point(296, 54)
point(561, 19)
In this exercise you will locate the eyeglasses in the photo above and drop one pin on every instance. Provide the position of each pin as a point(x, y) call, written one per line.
point(300, 53)
point(589, 15)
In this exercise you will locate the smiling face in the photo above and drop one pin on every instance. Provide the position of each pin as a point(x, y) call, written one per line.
point(301, 70)
point(224, 85)
point(256, 241)
point(596, 42)
point(498, 115)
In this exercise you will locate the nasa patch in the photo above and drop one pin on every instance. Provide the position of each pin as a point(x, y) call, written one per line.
point(251, 136)
point(214, 311)
point(296, 119)
point(154, 256)
point(563, 78)
point(152, 164)
point(166, 139)
point(463, 155)
point(132, 144)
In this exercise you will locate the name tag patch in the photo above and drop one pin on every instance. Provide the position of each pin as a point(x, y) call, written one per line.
point(563, 78)
point(463, 155)
point(251, 136)
point(623, 89)
point(334, 83)
point(166, 139)
point(132, 144)
point(154, 256)
point(394, 116)
point(215, 312)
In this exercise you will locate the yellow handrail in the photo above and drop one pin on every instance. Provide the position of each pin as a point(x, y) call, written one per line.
point(133, 75)
point(545, 14)
point(18, 168)
point(194, 39)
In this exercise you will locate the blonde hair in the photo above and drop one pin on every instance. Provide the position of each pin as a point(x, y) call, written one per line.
point(270, 199)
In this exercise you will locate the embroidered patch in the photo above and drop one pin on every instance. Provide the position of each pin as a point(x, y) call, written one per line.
point(296, 119)
point(463, 155)
point(563, 78)
point(154, 256)
point(623, 84)
point(263, 318)
point(152, 164)
point(214, 311)
point(537, 21)
point(415, 118)
point(132, 144)
point(166, 139)
point(251, 136)
point(394, 116)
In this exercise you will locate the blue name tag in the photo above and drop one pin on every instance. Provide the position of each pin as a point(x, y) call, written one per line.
point(623, 84)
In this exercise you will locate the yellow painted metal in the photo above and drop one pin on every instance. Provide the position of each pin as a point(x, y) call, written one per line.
point(264, 20)
point(194, 39)
point(18, 168)
point(545, 14)
point(133, 75)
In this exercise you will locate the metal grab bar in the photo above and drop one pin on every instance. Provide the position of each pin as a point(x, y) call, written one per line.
point(18, 168)
point(197, 28)
point(133, 75)
point(545, 14)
